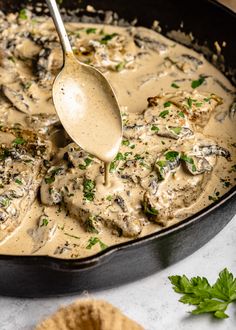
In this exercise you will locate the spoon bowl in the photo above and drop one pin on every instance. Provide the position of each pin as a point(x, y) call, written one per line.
point(85, 101)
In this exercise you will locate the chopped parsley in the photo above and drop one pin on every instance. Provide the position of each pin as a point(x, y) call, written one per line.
point(189, 102)
point(197, 83)
point(149, 210)
point(120, 66)
point(19, 140)
point(109, 198)
point(89, 225)
point(93, 241)
point(23, 14)
point(125, 143)
point(18, 181)
point(155, 128)
point(171, 155)
point(4, 201)
point(174, 85)
point(53, 173)
point(118, 157)
point(176, 130)
point(167, 104)
point(181, 114)
point(164, 113)
point(107, 37)
point(89, 189)
point(44, 222)
point(189, 160)
point(87, 162)
point(91, 30)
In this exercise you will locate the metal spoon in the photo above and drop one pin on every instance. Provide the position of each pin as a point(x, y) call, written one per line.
point(85, 101)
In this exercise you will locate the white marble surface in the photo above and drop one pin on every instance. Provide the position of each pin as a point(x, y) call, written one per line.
point(150, 301)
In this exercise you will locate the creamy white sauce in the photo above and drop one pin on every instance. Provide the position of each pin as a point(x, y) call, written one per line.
point(135, 74)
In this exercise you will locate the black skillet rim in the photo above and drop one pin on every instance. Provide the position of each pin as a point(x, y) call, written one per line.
point(94, 260)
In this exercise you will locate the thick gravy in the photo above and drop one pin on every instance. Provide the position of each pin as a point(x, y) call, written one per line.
point(177, 155)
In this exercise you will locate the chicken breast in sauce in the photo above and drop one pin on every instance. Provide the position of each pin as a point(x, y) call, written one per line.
point(177, 155)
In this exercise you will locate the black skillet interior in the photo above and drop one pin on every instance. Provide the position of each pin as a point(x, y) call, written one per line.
point(43, 276)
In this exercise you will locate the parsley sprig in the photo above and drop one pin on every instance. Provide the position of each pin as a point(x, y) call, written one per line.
point(207, 298)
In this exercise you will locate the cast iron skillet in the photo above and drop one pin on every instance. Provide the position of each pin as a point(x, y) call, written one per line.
point(35, 276)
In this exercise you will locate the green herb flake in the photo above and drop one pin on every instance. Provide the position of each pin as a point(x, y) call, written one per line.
point(197, 83)
point(44, 222)
point(167, 104)
point(198, 104)
point(189, 102)
point(4, 201)
point(23, 14)
point(176, 130)
point(49, 180)
point(120, 66)
point(107, 37)
point(125, 143)
point(171, 155)
point(164, 113)
point(109, 198)
point(18, 181)
point(19, 141)
point(90, 226)
point(181, 114)
point(91, 30)
point(155, 128)
point(174, 85)
point(87, 162)
point(187, 159)
point(206, 298)
point(89, 189)
point(93, 241)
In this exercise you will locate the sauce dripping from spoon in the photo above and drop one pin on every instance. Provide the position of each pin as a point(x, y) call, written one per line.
point(86, 103)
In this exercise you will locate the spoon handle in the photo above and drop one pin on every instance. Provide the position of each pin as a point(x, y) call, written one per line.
point(56, 16)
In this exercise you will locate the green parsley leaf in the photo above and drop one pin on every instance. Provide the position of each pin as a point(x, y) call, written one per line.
point(207, 299)
point(90, 225)
point(18, 181)
point(176, 130)
point(155, 128)
point(171, 155)
point(18, 140)
point(22, 14)
point(181, 114)
point(89, 189)
point(167, 104)
point(189, 102)
point(91, 30)
point(197, 83)
point(44, 222)
point(125, 143)
point(120, 66)
point(164, 113)
point(93, 241)
point(87, 162)
point(108, 37)
point(174, 85)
